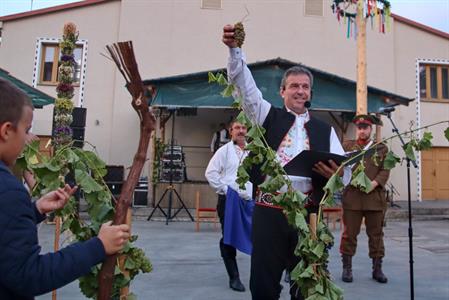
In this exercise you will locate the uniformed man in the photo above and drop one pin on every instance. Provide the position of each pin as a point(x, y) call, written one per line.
point(358, 204)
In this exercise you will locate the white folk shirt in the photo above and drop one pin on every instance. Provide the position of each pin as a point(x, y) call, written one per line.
point(257, 109)
point(222, 169)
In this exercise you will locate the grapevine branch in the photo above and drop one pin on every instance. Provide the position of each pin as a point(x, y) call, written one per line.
point(122, 54)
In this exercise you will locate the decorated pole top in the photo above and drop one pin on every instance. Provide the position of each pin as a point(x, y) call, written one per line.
point(355, 14)
point(376, 11)
point(62, 133)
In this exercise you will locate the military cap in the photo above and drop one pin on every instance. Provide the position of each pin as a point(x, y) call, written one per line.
point(367, 120)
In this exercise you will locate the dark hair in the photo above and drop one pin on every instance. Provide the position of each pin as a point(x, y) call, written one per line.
point(296, 70)
point(12, 102)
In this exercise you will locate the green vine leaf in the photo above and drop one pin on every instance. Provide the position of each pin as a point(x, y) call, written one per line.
point(243, 119)
point(87, 183)
point(307, 273)
point(391, 160)
point(211, 77)
point(272, 184)
point(236, 104)
point(334, 184)
point(221, 80)
point(70, 155)
point(242, 176)
point(227, 92)
point(256, 132)
point(360, 180)
point(446, 134)
point(318, 250)
point(408, 149)
point(300, 222)
point(256, 147)
point(426, 142)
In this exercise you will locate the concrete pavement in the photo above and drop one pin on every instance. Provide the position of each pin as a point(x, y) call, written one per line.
point(187, 264)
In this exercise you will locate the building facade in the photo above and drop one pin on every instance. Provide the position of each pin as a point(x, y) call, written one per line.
point(173, 37)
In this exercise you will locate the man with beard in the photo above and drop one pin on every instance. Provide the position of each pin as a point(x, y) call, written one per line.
point(221, 173)
point(288, 131)
point(358, 204)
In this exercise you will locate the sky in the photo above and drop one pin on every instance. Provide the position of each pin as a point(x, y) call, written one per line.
point(433, 13)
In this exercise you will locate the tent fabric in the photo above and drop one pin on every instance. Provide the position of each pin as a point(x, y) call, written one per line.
point(38, 98)
point(331, 92)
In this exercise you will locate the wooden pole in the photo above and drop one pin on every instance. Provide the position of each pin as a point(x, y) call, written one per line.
point(123, 55)
point(362, 102)
point(56, 246)
point(124, 291)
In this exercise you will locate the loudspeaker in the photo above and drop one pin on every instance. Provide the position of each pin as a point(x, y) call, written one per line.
point(115, 174)
point(140, 198)
point(177, 175)
point(79, 117)
point(78, 136)
point(115, 188)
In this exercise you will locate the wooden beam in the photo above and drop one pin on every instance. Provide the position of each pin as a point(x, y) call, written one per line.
point(362, 107)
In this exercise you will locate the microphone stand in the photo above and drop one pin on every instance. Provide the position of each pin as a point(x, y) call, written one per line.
point(410, 228)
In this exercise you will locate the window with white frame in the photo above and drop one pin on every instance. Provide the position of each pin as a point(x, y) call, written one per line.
point(49, 60)
point(434, 82)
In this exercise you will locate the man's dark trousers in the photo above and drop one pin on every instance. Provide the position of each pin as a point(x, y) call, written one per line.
point(274, 241)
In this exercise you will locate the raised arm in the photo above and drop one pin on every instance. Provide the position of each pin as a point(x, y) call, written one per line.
point(253, 104)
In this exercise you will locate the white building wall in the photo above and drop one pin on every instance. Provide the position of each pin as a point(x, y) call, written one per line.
point(173, 37)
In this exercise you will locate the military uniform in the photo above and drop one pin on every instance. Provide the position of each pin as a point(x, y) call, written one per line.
point(372, 206)
point(358, 204)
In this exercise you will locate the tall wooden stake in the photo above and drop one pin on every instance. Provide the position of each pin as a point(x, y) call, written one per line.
point(56, 245)
point(362, 94)
point(124, 292)
point(123, 55)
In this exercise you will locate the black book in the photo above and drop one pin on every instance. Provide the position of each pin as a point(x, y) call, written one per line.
point(304, 162)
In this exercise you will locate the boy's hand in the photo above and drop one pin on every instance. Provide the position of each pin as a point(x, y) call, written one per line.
point(55, 200)
point(228, 36)
point(113, 237)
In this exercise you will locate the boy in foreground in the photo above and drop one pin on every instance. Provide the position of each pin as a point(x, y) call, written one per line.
point(26, 273)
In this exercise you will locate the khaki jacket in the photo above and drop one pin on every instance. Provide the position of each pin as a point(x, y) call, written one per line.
point(355, 199)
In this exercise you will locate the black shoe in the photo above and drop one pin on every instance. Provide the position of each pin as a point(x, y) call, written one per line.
point(236, 285)
point(233, 273)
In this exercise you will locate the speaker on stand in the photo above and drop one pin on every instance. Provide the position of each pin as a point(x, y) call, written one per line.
point(114, 179)
point(78, 126)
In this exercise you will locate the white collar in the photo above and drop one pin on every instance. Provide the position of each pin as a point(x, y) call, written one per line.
point(304, 115)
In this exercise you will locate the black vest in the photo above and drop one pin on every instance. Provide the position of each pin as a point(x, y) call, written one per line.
point(277, 124)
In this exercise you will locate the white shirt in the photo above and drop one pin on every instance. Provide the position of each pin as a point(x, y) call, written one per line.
point(222, 169)
point(257, 108)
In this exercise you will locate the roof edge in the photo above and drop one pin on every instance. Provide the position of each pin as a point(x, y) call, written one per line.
point(420, 26)
point(284, 62)
point(52, 9)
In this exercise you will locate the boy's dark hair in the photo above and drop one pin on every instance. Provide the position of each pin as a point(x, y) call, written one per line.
point(12, 102)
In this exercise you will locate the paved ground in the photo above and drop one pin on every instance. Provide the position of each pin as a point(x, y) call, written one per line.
point(187, 264)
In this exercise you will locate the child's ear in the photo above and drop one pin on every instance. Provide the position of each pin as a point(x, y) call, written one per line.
point(5, 129)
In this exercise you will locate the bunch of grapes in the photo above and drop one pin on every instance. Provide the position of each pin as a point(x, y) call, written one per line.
point(239, 34)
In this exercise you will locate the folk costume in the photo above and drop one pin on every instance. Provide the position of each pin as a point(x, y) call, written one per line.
point(221, 173)
point(274, 240)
